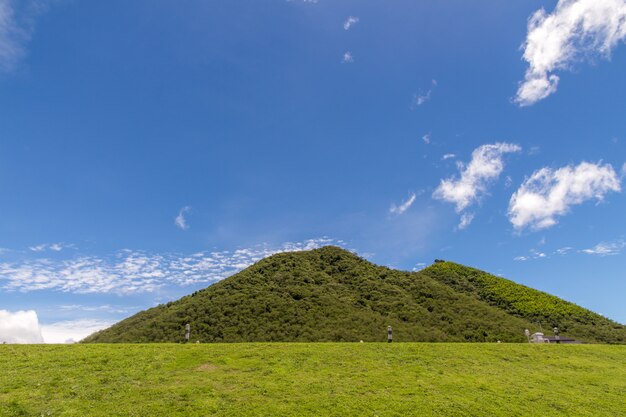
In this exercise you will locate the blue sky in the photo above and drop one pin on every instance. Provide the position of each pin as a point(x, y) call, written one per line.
point(149, 148)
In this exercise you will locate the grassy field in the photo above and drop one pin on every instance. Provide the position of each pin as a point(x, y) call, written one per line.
point(364, 379)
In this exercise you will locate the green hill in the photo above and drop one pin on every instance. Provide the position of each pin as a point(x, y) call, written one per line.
point(529, 304)
point(330, 294)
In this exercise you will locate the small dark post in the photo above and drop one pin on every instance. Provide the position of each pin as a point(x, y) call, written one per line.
point(389, 334)
point(187, 332)
point(556, 334)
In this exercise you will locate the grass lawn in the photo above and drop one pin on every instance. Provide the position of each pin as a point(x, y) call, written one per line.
point(308, 379)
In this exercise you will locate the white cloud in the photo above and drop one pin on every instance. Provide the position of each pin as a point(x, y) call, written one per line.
point(72, 331)
point(606, 248)
point(575, 31)
point(421, 97)
point(485, 166)
point(19, 327)
point(350, 21)
point(426, 138)
point(448, 156)
point(550, 193)
point(129, 272)
point(347, 58)
point(404, 206)
point(180, 220)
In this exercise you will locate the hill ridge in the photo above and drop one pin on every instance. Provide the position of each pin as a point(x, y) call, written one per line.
point(331, 294)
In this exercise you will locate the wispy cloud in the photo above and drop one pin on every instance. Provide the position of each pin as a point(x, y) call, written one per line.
point(606, 248)
point(181, 221)
point(577, 30)
point(534, 254)
point(486, 166)
point(550, 193)
point(19, 327)
point(347, 58)
point(404, 206)
point(17, 23)
point(426, 138)
point(55, 247)
point(422, 98)
point(106, 308)
point(466, 220)
point(564, 250)
point(128, 272)
point(12, 37)
point(448, 156)
point(350, 21)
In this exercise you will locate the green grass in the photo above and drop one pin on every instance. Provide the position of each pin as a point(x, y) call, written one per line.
point(309, 379)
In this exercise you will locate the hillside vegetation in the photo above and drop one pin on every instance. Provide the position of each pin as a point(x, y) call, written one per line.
point(328, 379)
point(330, 294)
point(535, 306)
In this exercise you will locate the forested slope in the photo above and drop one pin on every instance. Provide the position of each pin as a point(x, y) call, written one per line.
point(330, 294)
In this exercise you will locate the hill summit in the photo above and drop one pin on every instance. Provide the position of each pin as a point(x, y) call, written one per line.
point(330, 294)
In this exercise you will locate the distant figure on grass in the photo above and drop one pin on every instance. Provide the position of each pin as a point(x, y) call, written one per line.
point(389, 334)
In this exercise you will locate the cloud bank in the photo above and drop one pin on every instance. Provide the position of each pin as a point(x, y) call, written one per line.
point(72, 331)
point(129, 272)
point(485, 167)
point(577, 30)
point(19, 327)
point(550, 193)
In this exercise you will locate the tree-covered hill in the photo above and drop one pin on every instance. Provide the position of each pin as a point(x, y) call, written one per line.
point(330, 294)
point(535, 306)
